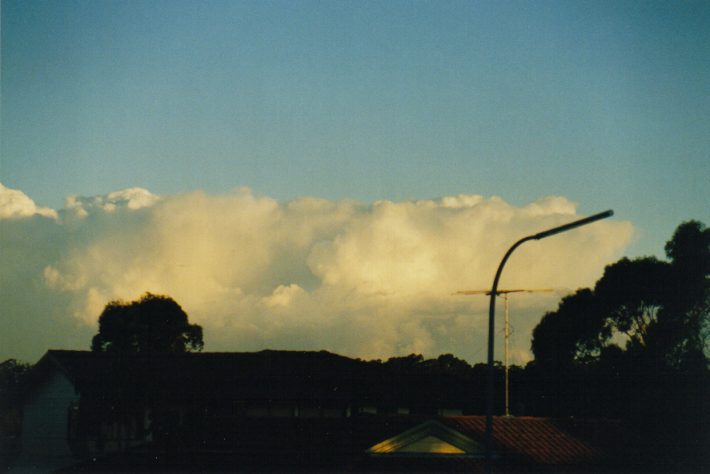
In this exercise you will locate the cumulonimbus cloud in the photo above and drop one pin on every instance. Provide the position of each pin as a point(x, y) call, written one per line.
point(362, 279)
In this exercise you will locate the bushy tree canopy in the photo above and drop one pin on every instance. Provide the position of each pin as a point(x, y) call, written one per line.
point(575, 331)
point(630, 295)
point(659, 308)
point(636, 347)
point(153, 323)
point(13, 382)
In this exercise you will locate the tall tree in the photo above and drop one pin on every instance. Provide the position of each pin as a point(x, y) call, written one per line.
point(576, 331)
point(638, 340)
point(631, 295)
point(13, 382)
point(660, 308)
point(154, 323)
point(688, 304)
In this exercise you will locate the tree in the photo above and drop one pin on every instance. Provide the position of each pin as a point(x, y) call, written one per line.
point(689, 252)
point(405, 364)
point(448, 364)
point(631, 295)
point(577, 331)
point(13, 382)
point(689, 297)
point(660, 308)
point(636, 338)
point(154, 323)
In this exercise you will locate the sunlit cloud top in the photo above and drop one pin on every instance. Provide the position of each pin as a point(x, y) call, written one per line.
point(15, 203)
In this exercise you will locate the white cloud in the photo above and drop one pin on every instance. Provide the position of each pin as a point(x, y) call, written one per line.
point(15, 203)
point(131, 198)
point(367, 280)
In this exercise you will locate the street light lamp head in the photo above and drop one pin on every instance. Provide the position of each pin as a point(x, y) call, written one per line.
point(572, 225)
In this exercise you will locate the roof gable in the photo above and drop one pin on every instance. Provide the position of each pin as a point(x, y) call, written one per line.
point(432, 445)
point(430, 439)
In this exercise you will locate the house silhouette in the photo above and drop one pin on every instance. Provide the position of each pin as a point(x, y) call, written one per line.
point(278, 410)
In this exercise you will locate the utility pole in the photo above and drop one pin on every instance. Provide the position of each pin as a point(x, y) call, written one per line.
point(506, 328)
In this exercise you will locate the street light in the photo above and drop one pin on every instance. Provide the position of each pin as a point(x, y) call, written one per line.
point(491, 319)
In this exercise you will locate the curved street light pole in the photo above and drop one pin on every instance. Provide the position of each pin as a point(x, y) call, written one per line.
point(491, 320)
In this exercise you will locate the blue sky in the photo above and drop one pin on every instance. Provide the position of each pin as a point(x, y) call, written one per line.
point(151, 113)
point(605, 103)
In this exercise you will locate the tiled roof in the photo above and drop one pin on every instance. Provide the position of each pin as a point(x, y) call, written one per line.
point(544, 441)
point(541, 441)
point(341, 445)
point(520, 441)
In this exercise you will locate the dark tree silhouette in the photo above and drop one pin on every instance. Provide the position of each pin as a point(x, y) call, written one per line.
point(576, 331)
point(448, 364)
point(660, 308)
point(13, 381)
point(688, 302)
point(631, 295)
point(412, 363)
point(154, 323)
point(636, 346)
point(689, 252)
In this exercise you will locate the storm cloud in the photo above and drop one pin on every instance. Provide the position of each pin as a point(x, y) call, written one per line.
point(368, 280)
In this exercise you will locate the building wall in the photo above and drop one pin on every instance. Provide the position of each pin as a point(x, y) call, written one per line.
point(44, 426)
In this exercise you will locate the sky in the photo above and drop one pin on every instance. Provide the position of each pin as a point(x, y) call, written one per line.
point(323, 175)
